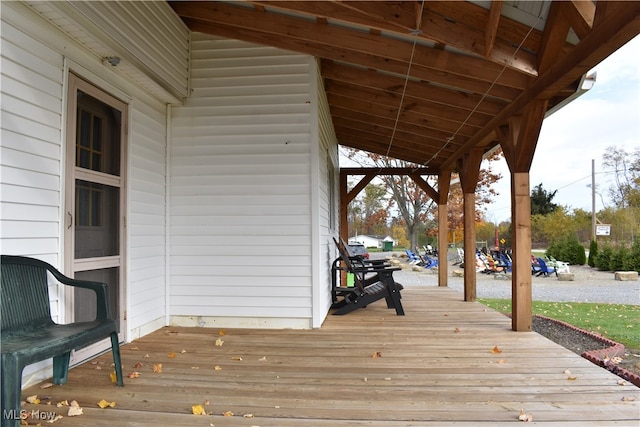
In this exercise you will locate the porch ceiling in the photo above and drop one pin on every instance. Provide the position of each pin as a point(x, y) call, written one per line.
point(429, 81)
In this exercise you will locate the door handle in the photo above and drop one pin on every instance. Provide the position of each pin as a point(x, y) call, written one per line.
point(70, 220)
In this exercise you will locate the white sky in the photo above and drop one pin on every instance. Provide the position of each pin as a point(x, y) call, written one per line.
point(607, 115)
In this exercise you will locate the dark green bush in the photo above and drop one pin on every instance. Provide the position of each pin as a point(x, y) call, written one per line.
point(568, 250)
point(618, 258)
point(593, 253)
point(631, 261)
point(603, 259)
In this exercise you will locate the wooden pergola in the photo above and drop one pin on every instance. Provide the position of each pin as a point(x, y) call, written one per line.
point(440, 84)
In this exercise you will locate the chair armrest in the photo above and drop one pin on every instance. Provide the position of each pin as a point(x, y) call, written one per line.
point(102, 292)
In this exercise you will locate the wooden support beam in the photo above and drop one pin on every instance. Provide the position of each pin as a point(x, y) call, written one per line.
point(424, 185)
point(521, 293)
point(444, 182)
point(469, 171)
point(553, 37)
point(491, 29)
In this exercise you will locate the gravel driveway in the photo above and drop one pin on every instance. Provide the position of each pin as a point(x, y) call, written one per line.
point(590, 285)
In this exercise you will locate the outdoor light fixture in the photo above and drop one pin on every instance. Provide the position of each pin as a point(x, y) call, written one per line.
point(113, 60)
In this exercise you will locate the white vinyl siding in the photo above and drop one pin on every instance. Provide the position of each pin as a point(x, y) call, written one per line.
point(327, 203)
point(240, 184)
point(146, 228)
point(31, 159)
point(30, 162)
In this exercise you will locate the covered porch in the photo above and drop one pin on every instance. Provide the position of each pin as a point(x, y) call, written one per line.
point(447, 362)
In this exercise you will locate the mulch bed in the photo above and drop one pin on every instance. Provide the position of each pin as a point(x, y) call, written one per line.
point(595, 348)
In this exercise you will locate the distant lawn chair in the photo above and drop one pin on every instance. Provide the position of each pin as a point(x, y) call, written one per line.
point(542, 269)
point(413, 258)
point(370, 283)
point(560, 266)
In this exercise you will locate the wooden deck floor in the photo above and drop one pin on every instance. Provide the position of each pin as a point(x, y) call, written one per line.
point(434, 367)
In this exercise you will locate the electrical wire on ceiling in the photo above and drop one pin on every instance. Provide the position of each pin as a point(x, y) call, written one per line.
point(415, 32)
point(482, 98)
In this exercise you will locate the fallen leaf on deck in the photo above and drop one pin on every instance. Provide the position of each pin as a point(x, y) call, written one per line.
point(501, 361)
point(496, 350)
point(525, 417)
point(157, 368)
point(219, 342)
point(195, 367)
point(139, 365)
point(46, 385)
point(63, 403)
point(146, 356)
point(56, 418)
point(198, 410)
point(74, 409)
point(135, 348)
point(207, 402)
point(567, 372)
point(376, 355)
point(134, 375)
point(114, 377)
point(247, 416)
point(228, 414)
point(33, 399)
point(222, 332)
point(104, 404)
point(171, 355)
point(628, 399)
point(622, 382)
point(262, 359)
point(183, 351)
point(238, 358)
point(456, 330)
point(217, 368)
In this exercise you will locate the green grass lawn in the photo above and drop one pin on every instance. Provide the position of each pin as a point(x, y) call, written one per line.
point(618, 322)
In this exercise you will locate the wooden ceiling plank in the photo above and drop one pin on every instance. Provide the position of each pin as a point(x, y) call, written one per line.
point(407, 125)
point(414, 89)
point(419, 145)
point(415, 105)
point(433, 122)
point(491, 29)
point(421, 141)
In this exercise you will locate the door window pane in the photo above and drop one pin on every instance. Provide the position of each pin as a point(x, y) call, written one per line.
point(97, 211)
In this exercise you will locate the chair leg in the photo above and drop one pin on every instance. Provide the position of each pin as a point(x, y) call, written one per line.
point(11, 391)
point(117, 361)
point(61, 368)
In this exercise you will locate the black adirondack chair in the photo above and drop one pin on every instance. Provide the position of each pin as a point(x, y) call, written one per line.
point(372, 282)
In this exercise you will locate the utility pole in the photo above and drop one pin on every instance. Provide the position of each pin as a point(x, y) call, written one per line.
point(593, 199)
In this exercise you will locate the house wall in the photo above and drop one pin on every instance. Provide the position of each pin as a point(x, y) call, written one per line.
point(328, 206)
point(35, 60)
point(241, 204)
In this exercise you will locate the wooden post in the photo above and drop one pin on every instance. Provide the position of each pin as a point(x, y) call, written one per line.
point(444, 182)
point(469, 170)
point(521, 294)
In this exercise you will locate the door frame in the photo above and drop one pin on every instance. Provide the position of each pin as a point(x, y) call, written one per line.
point(76, 82)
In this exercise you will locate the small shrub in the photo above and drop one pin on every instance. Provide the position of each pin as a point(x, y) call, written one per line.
point(603, 260)
point(632, 260)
